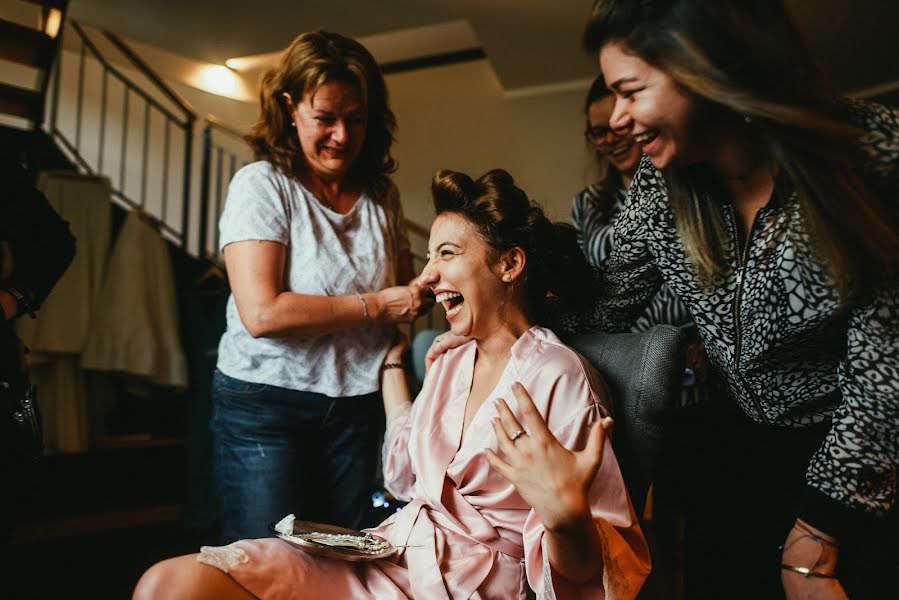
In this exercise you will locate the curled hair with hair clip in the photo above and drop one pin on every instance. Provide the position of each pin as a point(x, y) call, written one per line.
point(505, 218)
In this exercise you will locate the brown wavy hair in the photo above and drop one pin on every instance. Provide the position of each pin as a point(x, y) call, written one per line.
point(311, 60)
point(746, 58)
point(555, 272)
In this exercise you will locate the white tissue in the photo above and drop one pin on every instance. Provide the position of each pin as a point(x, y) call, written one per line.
point(285, 525)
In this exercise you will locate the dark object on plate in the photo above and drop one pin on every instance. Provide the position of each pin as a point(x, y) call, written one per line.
point(336, 542)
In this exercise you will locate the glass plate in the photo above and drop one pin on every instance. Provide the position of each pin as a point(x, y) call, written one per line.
point(336, 542)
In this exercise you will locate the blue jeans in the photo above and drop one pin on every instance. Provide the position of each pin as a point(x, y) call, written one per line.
point(278, 451)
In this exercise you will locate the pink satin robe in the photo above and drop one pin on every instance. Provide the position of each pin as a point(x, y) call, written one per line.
point(469, 533)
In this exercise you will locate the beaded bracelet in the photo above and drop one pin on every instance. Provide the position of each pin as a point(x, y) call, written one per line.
point(392, 366)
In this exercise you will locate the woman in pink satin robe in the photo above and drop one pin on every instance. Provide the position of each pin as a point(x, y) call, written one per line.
point(506, 499)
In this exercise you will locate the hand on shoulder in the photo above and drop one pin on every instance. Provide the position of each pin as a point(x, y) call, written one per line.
point(442, 343)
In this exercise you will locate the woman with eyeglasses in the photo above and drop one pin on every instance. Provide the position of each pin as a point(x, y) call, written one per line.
point(770, 204)
point(597, 206)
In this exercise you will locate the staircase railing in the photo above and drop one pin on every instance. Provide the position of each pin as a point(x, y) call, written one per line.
point(154, 120)
point(36, 48)
point(224, 152)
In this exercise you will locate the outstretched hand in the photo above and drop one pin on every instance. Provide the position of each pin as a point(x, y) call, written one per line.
point(553, 480)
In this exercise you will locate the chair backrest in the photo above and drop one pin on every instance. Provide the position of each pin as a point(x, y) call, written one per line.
point(643, 371)
point(420, 344)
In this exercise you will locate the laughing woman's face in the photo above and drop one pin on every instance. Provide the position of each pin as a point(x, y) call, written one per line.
point(617, 147)
point(662, 117)
point(331, 123)
point(464, 277)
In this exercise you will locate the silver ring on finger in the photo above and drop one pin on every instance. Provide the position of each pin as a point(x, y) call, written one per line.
point(517, 435)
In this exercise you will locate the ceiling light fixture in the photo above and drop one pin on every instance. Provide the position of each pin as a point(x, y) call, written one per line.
point(222, 81)
point(52, 22)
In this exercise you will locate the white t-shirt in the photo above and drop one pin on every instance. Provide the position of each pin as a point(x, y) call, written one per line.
point(328, 254)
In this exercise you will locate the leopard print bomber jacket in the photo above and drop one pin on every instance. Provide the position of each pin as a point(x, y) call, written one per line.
point(792, 354)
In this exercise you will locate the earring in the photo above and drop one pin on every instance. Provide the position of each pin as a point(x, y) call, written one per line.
point(747, 119)
point(507, 277)
point(293, 124)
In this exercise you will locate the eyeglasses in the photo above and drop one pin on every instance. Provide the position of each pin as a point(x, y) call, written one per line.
point(597, 134)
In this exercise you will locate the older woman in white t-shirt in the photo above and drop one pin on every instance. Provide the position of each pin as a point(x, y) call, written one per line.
point(315, 246)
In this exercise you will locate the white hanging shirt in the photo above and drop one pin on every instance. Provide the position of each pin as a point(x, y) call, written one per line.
point(134, 328)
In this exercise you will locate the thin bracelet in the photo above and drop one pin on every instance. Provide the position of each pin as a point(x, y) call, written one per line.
point(386, 366)
point(806, 572)
point(364, 306)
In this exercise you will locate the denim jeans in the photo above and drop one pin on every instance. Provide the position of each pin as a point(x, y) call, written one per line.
point(278, 451)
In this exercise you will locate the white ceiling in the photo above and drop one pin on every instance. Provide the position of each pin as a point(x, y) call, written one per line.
point(529, 42)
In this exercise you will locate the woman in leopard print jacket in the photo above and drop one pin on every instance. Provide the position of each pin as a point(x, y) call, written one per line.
point(770, 208)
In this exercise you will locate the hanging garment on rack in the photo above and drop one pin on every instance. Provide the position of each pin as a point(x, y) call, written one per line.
point(55, 338)
point(64, 319)
point(134, 327)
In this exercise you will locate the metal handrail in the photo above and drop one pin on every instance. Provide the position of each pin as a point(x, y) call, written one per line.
point(211, 179)
point(85, 39)
point(150, 74)
point(74, 146)
point(216, 123)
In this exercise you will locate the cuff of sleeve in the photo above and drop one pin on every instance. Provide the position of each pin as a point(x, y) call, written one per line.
point(24, 298)
point(828, 515)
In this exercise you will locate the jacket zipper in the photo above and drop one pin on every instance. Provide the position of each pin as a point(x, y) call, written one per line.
point(741, 257)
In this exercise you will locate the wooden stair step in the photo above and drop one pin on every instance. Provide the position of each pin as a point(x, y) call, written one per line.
point(52, 528)
point(20, 102)
point(25, 45)
point(106, 480)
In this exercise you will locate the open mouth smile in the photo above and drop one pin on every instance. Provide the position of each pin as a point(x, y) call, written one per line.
point(621, 149)
point(451, 301)
point(646, 137)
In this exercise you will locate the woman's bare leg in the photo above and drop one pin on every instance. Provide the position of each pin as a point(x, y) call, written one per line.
point(184, 577)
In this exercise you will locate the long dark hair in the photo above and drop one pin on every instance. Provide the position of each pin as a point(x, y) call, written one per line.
point(555, 271)
point(313, 59)
point(746, 57)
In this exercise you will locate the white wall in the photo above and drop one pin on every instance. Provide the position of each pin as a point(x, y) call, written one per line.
point(458, 117)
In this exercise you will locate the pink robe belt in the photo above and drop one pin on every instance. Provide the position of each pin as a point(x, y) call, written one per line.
point(427, 530)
